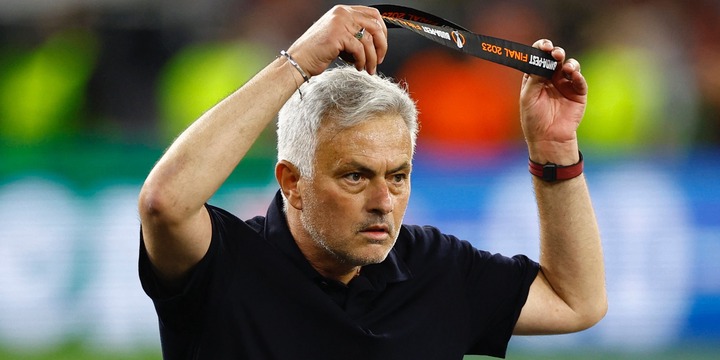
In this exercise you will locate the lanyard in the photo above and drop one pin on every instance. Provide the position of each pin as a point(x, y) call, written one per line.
point(515, 55)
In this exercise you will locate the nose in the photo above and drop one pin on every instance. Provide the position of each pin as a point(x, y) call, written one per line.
point(380, 199)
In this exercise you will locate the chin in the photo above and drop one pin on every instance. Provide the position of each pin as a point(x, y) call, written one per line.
point(375, 255)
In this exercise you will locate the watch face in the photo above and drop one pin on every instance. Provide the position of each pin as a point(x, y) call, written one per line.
point(552, 172)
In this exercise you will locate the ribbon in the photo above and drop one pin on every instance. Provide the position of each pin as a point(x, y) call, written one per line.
point(515, 55)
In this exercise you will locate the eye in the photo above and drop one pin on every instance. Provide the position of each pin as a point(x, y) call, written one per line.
point(353, 177)
point(399, 178)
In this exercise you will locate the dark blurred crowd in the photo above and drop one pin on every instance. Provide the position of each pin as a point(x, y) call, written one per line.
point(138, 72)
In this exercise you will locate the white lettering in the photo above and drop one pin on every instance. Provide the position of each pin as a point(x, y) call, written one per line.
point(439, 33)
point(542, 63)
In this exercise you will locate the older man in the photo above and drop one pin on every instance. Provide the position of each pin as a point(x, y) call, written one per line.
point(331, 271)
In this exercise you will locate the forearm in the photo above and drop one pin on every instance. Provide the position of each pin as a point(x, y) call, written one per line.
point(569, 292)
point(571, 252)
point(205, 154)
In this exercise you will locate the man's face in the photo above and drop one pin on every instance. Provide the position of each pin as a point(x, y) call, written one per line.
point(354, 205)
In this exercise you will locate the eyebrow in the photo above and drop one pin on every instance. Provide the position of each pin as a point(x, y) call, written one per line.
point(364, 169)
point(404, 166)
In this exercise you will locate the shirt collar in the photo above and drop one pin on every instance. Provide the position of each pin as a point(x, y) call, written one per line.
point(392, 269)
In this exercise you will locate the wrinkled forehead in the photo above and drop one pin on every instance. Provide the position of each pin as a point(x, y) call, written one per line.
point(375, 134)
point(374, 126)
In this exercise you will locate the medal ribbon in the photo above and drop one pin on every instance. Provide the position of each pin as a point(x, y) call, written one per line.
point(515, 55)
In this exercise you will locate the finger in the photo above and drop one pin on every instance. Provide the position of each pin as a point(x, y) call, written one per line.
point(572, 72)
point(571, 65)
point(370, 19)
point(364, 49)
point(379, 33)
point(353, 51)
point(371, 56)
point(379, 40)
point(544, 45)
point(579, 83)
point(558, 54)
point(375, 20)
point(355, 48)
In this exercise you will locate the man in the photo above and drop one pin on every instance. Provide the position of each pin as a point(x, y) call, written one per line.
point(331, 272)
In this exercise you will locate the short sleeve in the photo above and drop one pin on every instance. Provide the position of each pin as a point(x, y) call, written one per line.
point(488, 290)
point(180, 307)
point(499, 286)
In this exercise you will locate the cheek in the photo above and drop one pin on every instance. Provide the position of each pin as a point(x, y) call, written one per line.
point(328, 209)
point(400, 208)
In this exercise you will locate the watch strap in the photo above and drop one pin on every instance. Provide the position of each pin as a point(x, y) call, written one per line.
point(552, 172)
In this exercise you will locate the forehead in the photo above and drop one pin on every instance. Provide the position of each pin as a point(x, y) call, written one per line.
point(381, 137)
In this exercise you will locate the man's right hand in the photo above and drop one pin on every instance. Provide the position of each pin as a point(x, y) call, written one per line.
point(335, 32)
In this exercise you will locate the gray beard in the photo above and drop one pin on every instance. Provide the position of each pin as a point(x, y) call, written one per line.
point(345, 259)
point(319, 238)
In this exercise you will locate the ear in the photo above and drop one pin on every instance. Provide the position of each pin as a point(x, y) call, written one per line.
point(288, 177)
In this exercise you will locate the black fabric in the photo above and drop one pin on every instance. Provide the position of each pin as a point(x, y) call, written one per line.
point(509, 53)
point(254, 296)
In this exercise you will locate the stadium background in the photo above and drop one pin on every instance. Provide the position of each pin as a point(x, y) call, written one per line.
point(91, 92)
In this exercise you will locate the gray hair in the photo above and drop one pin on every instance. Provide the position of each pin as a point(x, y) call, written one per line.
point(345, 96)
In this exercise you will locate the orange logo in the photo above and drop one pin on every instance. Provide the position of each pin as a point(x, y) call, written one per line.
point(458, 38)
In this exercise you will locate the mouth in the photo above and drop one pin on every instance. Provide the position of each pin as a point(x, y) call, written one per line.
point(377, 233)
point(376, 228)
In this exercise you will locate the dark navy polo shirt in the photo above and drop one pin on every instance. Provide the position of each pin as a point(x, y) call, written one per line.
point(254, 296)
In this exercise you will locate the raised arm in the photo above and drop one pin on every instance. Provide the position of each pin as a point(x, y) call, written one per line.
point(569, 292)
point(175, 225)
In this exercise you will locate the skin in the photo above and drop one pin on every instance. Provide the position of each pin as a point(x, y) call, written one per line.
point(363, 173)
point(569, 292)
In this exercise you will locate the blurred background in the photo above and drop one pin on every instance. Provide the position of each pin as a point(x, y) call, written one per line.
point(92, 91)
